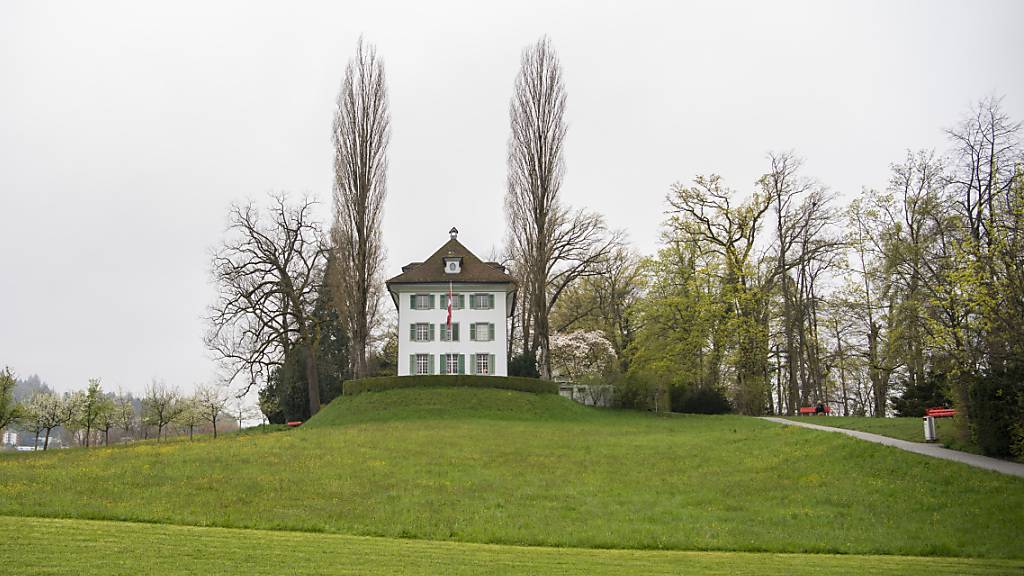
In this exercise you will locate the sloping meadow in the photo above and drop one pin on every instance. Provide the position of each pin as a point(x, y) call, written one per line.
point(498, 466)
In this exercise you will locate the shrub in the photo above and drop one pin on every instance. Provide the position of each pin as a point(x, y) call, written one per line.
point(994, 409)
point(929, 393)
point(706, 400)
point(634, 392)
point(524, 365)
point(353, 387)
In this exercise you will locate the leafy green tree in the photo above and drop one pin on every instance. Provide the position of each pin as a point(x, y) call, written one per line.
point(706, 215)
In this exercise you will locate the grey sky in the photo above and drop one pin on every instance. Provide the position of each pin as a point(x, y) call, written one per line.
point(126, 129)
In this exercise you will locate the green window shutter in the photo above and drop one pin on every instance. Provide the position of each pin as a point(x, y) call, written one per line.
point(455, 332)
point(412, 301)
point(472, 332)
point(444, 337)
point(412, 363)
point(472, 301)
point(472, 363)
point(442, 302)
point(430, 338)
point(412, 332)
point(490, 366)
point(444, 365)
point(462, 363)
point(491, 328)
point(430, 364)
point(431, 304)
point(461, 301)
point(490, 301)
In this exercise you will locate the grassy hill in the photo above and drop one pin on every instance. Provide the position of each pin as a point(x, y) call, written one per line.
point(512, 468)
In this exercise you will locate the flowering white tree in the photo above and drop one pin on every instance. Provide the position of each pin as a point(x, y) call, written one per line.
point(581, 353)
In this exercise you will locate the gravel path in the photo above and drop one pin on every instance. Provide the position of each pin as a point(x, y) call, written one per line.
point(934, 450)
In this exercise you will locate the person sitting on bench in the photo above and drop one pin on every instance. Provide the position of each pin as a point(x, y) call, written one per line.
point(819, 408)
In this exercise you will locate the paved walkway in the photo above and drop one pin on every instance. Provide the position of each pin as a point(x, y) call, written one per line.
point(933, 450)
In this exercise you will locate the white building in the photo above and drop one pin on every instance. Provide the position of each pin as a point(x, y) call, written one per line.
point(483, 298)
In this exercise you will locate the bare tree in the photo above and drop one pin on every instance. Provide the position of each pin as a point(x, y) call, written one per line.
point(268, 276)
point(160, 406)
point(987, 153)
point(551, 245)
point(212, 400)
point(362, 131)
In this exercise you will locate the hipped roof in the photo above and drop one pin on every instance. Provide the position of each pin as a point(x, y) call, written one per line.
point(473, 270)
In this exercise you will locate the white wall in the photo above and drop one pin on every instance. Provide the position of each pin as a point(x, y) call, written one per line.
point(464, 317)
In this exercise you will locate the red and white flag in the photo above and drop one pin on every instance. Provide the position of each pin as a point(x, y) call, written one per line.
point(449, 322)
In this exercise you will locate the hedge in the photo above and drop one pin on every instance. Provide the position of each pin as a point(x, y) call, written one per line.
point(353, 387)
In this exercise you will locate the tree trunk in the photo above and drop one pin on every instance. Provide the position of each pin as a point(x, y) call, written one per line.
point(313, 379)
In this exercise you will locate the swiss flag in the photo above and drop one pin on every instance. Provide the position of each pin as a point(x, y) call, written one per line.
point(449, 322)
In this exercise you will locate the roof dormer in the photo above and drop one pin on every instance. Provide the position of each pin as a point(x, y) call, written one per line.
point(452, 264)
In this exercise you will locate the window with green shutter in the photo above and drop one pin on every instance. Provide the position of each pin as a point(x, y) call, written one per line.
point(449, 335)
point(462, 363)
point(444, 365)
point(481, 332)
point(483, 363)
point(422, 364)
point(421, 301)
point(421, 332)
point(481, 301)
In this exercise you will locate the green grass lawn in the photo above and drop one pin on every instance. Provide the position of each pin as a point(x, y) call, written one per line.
point(910, 429)
point(502, 467)
point(89, 548)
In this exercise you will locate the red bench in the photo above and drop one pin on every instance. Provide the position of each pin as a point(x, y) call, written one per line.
point(811, 410)
point(940, 412)
point(295, 423)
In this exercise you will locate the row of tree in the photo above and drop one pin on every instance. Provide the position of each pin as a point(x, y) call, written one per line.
point(90, 416)
point(904, 298)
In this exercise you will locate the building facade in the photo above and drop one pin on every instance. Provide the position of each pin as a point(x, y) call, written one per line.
point(483, 297)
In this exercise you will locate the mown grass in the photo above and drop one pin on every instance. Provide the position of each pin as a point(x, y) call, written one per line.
point(910, 429)
point(88, 548)
point(494, 466)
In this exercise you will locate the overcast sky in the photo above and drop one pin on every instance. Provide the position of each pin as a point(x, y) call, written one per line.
point(126, 130)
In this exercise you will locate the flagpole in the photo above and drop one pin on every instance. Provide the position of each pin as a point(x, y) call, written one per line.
point(451, 325)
